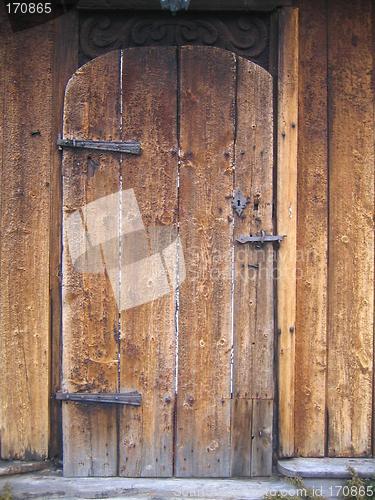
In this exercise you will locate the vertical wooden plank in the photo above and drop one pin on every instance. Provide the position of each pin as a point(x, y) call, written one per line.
point(207, 87)
point(4, 34)
point(312, 233)
point(261, 453)
point(148, 329)
point(241, 436)
point(24, 222)
point(287, 222)
point(64, 64)
point(253, 288)
point(351, 236)
point(373, 374)
point(90, 316)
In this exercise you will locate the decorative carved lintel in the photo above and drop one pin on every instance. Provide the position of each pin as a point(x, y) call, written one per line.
point(246, 34)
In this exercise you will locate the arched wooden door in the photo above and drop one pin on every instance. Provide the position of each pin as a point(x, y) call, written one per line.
point(162, 306)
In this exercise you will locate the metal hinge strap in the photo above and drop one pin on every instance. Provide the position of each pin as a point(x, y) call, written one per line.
point(130, 147)
point(261, 238)
point(133, 398)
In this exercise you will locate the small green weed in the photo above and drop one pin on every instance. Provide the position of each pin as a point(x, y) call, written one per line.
point(358, 488)
point(6, 493)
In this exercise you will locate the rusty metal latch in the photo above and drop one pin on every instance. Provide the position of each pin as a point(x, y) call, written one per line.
point(129, 147)
point(260, 239)
point(133, 398)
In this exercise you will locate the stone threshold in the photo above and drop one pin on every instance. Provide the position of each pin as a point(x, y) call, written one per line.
point(51, 485)
point(325, 476)
point(326, 467)
point(11, 467)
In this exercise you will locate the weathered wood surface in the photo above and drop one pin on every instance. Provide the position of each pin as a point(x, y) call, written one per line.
point(90, 315)
point(287, 222)
point(148, 330)
point(351, 237)
point(144, 360)
point(207, 99)
point(65, 62)
point(261, 433)
point(24, 228)
point(347, 146)
point(312, 237)
point(253, 335)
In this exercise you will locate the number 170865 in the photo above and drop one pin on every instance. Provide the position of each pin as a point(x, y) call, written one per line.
point(352, 491)
point(29, 8)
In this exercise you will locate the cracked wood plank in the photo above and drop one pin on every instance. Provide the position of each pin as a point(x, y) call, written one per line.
point(351, 210)
point(287, 223)
point(312, 234)
point(207, 96)
point(148, 329)
point(253, 288)
point(26, 103)
point(90, 314)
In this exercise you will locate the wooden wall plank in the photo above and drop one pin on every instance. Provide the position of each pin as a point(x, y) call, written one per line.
point(65, 62)
point(287, 221)
point(206, 181)
point(90, 315)
point(351, 236)
point(148, 330)
point(312, 237)
point(373, 374)
point(241, 432)
point(253, 337)
point(262, 423)
point(4, 30)
point(25, 218)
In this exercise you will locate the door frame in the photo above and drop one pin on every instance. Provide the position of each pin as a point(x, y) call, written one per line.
point(285, 205)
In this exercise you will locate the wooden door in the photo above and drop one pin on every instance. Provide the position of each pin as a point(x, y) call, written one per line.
point(200, 349)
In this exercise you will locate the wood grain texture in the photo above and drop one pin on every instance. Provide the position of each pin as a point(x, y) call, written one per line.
point(90, 315)
point(24, 223)
point(312, 233)
point(253, 336)
point(287, 222)
point(261, 452)
point(241, 436)
point(207, 92)
point(351, 236)
point(148, 330)
point(65, 62)
point(4, 30)
point(373, 374)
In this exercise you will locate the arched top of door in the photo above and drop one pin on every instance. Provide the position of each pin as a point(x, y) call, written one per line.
point(83, 73)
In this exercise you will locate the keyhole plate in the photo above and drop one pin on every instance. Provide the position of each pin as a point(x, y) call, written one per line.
point(239, 201)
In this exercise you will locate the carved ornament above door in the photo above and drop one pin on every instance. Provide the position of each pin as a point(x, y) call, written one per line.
point(244, 33)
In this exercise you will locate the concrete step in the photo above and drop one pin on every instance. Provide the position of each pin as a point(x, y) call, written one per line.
point(41, 486)
point(326, 467)
point(11, 467)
